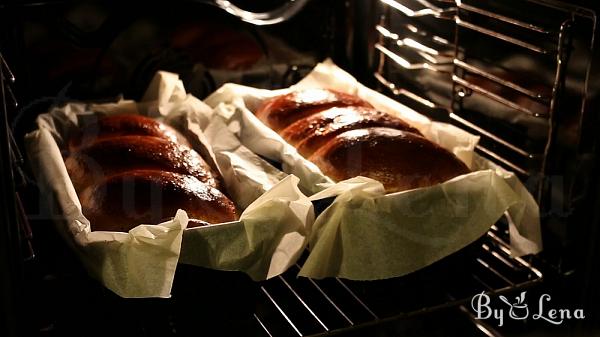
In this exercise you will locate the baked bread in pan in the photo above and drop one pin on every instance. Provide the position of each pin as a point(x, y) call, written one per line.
point(129, 170)
point(346, 137)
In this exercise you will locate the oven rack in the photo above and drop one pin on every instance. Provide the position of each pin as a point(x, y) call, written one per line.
point(293, 306)
point(13, 167)
point(412, 47)
point(9, 104)
point(11, 231)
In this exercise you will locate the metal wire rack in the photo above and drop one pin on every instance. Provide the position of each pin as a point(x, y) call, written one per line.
point(411, 46)
point(13, 166)
point(9, 231)
point(292, 306)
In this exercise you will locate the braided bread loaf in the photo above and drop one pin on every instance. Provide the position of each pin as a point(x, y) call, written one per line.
point(346, 137)
point(129, 170)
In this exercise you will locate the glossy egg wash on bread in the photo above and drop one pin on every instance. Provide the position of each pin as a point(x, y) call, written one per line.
point(346, 137)
point(129, 170)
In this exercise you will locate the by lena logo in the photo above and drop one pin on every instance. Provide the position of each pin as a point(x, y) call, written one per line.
point(519, 309)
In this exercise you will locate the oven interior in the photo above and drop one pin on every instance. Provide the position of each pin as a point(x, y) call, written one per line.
point(518, 73)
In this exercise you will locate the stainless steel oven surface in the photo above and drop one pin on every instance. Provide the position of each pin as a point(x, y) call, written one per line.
point(520, 74)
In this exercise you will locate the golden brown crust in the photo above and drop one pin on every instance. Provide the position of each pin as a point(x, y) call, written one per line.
point(399, 159)
point(281, 111)
point(126, 200)
point(346, 137)
point(130, 169)
point(115, 155)
point(311, 133)
point(124, 125)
